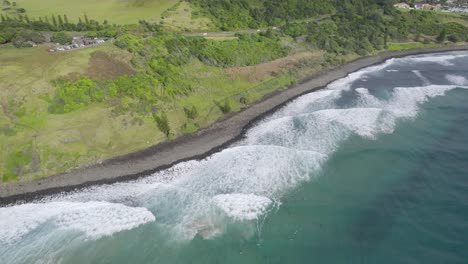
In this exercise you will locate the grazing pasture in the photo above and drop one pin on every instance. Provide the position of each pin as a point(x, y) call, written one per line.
point(114, 11)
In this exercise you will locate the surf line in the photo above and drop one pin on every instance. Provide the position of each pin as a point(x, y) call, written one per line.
point(197, 146)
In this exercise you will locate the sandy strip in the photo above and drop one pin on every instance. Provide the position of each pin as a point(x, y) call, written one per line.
point(199, 145)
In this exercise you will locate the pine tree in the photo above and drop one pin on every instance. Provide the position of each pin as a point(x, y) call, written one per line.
point(65, 18)
point(79, 20)
point(54, 21)
point(86, 19)
point(27, 19)
point(442, 35)
point(60, 21)
point(3, 18)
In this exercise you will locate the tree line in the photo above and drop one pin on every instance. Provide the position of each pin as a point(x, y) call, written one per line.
point(15, 29)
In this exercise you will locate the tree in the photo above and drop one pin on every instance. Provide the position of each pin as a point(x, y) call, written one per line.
point(61, 37)
point(54, 21)
point(60, 21)
point(191, 113)
point(65, 18)
point(442, 36)
point(163, 123)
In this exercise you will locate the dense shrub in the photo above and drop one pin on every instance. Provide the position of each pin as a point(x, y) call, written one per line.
point(61, 37)
point(191, 113)
point(163, 123)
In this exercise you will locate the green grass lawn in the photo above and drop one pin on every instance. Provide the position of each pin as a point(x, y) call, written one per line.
point(179, 18)
point(115, 11)
point(410, 45)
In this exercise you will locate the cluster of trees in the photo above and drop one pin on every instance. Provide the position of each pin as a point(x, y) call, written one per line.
point(61, 37)
point(232, 14)
point(358, 26)
point(21, 38)
point(53, 23)
point(138, 93)
point(247, 49)
point(17, 29)
point(363, 26)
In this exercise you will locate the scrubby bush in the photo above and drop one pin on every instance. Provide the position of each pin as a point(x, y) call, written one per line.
point(225, 107)
point(191, 113)
point(163, 123)
point(61, 37)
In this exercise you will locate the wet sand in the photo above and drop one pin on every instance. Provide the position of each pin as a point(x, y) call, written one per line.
point(205, 142)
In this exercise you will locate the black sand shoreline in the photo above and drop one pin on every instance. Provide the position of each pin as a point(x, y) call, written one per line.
point(199, 145)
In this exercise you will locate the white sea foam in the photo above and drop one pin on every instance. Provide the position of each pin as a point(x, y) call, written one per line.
point(322, 131)
point(456, 79)
point(249, 169)
point(282, 152)
point(242, 207)
point(442, 59)
point(308, 103)
point(93, 219)
point(346, 82)
point(422, 77)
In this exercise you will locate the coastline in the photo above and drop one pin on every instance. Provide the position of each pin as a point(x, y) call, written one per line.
point(199, 145)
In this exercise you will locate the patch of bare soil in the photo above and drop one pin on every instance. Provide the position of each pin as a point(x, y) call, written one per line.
point(260, 71)
point(103, 66)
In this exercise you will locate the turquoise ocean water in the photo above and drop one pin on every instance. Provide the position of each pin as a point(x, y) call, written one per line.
point(373, 169)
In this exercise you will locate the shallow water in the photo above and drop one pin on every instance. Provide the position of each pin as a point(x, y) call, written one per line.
point(373, 169)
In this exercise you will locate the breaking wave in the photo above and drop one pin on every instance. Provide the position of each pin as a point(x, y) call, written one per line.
point(241, 183)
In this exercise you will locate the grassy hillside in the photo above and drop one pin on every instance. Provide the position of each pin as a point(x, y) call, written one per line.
point(35, 142)
point(115, 11)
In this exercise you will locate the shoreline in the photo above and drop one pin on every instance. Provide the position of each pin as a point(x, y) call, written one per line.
point(199, 145)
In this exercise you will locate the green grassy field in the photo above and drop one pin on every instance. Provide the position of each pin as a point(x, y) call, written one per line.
point(410, 45)
point(179, 18)
point(56, 143)
point(115, 11)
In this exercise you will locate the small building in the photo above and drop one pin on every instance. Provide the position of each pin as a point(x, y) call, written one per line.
point(402, 5)
point(425, 6)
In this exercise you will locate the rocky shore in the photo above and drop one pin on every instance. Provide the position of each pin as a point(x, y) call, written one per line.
point(199, 145)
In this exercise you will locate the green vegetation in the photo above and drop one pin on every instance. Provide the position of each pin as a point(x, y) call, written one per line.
point(184, 17)
point(409, 45)
point(67, 109)
point(234, 14)
point(119, 12)
point(61, 37)
point(163, 123)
